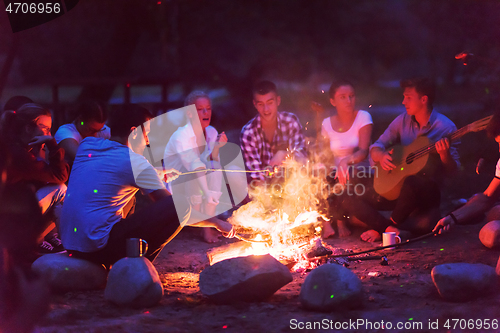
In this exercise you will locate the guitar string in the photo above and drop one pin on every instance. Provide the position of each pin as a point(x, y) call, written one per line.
point(424, 150)
point(432, 148)
point(457, 134)
point(480, 124)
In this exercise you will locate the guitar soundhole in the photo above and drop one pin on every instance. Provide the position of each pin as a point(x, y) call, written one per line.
point(410, 158)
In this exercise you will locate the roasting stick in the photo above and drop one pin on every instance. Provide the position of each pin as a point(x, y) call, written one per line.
point(411, 240)
point(204, 170)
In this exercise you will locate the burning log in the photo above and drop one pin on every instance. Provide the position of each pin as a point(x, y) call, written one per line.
point(282, 219)
point(232, 250)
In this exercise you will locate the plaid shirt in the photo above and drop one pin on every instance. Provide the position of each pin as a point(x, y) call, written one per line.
point(257, 152)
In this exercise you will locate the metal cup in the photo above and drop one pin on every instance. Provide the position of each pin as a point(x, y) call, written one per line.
point(136, 247)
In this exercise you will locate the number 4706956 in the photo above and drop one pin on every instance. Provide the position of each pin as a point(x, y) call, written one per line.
point(32, 8)
point(471, 324)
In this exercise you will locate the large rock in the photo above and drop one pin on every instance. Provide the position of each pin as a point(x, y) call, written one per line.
point(461, 282)
point(493, 214)
point(331, 287)
point(64, 273)
point(490, 234)
point(134, 282)
point(252, 278)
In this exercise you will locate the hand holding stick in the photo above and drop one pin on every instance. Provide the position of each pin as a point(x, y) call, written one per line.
point(170, 175)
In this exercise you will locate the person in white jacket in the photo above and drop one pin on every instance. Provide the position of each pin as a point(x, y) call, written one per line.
point(195, 146)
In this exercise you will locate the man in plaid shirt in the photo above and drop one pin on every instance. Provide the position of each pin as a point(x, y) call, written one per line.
point(266, 138)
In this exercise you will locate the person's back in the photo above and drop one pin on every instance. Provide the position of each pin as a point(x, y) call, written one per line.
point(103, 179)
point(27, 134)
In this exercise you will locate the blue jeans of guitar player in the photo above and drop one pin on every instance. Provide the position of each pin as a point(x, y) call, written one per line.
point(419, 194)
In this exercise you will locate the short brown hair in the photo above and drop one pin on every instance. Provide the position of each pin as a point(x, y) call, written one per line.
point(423, 86)
point(129, 115)
point(264, 87)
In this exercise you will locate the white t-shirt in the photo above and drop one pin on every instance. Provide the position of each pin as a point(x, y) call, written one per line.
point(69, 131)
point(182, 149)
point(101, 183)
point(343, 144)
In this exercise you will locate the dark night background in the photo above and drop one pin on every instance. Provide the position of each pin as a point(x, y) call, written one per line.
point(223, 46)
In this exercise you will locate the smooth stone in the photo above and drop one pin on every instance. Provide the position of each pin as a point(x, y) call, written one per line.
point(133, 282)
point(248, 279)
point(490, 234)
point(64, 273)
point(331, 287)
point(493, 214)
point(460, 282)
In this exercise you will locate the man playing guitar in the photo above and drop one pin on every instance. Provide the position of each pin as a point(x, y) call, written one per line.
point(419, 197)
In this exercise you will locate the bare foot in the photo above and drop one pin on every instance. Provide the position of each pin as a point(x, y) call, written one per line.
point(327, 230)
point(343, 229)
point(371, 236)
point(210, 235)
point(403, 234)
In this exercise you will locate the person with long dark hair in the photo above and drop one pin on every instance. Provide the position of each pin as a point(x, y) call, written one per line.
point(26, 133)
point(347, 134)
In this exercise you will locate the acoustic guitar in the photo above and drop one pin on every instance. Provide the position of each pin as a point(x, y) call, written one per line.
point(412, 159)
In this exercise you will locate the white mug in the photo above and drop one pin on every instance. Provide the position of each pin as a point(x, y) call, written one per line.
point(390, 238)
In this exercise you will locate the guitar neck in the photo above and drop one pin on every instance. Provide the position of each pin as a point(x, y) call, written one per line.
point(453, 137)
point(474, 127)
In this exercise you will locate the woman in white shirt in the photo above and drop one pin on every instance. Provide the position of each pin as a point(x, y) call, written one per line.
point(348, 134)
point(195, 146)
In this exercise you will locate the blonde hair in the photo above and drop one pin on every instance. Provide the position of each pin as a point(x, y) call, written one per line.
point(193, 96)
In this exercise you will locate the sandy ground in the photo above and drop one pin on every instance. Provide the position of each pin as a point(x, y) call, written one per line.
point(403, 292)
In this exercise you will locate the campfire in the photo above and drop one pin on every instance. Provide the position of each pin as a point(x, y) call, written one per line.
point(283, 219)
